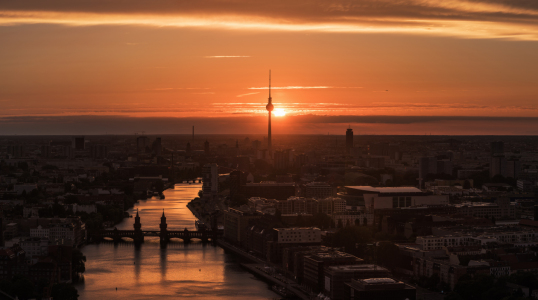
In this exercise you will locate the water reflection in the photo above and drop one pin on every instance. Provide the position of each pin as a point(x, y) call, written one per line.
point(181, 270)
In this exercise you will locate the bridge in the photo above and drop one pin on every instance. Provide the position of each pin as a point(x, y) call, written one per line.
point(137, 235)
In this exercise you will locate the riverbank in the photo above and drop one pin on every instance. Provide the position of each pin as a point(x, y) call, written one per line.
point(260, 268)
point(193, 270)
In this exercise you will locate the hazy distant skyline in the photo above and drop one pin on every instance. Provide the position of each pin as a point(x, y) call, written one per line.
point(472, 62)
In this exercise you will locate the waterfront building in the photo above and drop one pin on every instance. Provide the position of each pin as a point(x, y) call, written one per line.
point(379, 289)
point(210, 181)
point(336, 277)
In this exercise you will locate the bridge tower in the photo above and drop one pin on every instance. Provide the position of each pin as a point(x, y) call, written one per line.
point(138, 234)
point(164, 232)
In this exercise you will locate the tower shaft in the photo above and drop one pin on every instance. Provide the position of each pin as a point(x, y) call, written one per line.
point(269, 108)
point(269, 144)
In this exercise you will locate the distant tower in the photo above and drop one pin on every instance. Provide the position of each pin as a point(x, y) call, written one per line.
point(349, 140)
point(237, 144)
point(269, 108)
point(163, 234)
point(138, 235)
point(206, 147)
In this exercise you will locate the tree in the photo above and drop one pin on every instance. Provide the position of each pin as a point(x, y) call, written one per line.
point(64, 291)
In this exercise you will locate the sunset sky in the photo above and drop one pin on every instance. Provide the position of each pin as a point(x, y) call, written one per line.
point(161, 66)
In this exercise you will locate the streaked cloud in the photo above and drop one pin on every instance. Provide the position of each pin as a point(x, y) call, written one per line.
point(171, 89)
point(310, 124)
point(514, 19)
point(301, 87)
point(226, 56)
point(247, 94)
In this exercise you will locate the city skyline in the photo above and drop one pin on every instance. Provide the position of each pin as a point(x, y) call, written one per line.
point(457, 67)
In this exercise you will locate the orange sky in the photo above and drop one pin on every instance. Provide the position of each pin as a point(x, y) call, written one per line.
point(207, 59)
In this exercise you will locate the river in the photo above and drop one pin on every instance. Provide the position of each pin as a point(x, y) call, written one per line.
point(194, 270)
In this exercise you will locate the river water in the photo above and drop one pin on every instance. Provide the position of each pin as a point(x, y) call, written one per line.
point(193, 270)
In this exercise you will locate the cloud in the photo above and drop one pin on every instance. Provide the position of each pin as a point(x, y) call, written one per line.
point(515, 19)
point(171, 89)
point(226, 56)
point(247, 94)
point(309, 124)
point(302, 87)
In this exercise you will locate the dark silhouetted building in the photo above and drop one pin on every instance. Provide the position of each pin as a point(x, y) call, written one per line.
point(349, 140)
point(379, 289)
point(206, 147)
point(78, 143)
point(269, 190)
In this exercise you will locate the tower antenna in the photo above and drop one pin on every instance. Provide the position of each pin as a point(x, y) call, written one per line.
point(269, 85)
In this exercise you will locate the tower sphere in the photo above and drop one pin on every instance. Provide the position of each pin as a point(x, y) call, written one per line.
point(269, 107)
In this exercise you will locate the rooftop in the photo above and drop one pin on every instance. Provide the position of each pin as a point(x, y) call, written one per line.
point(355, 268)
point(403, 189)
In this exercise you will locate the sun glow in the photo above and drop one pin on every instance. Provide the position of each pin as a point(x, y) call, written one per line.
point(279, 112)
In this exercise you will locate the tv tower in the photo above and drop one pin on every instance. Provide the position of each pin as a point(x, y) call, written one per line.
point(269, 108)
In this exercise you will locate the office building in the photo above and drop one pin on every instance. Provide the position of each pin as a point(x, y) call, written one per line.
point(314, 265)
point(394, 197)
point(78, 143)
point(210, 181)
point(336, 277)
point(379, 289)
point(349, 140)
point(319, 190)
point(98, 151)
point(269, 190)
point(15, 151)
point(141, 143)
point(497, 148)
point(236, 222)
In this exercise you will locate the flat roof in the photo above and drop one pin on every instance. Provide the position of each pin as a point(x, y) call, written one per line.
point(357, 268)
point(403, 189)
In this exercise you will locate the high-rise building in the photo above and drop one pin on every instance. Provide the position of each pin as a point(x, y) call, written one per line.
point(427, 165)
point(188, 148)
point(497, 166)
point(157, 146)
point(210, 178)
point(15, 150)
point(513, 168)
point(206, 147)
point(349, 140)
point(45, 151)
point(282, 159)
point(237, 179)
point(98, 151)
point(141, 143)
point(78, 143)
point(497, 148)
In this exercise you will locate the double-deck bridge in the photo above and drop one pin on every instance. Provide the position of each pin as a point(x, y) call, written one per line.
point(137, 235)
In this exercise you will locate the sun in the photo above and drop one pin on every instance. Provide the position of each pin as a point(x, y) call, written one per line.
point(279, 112)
